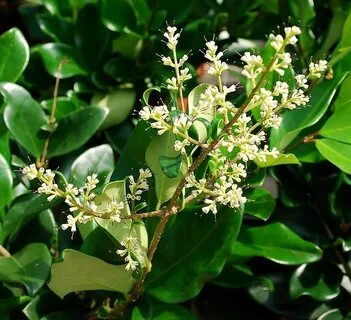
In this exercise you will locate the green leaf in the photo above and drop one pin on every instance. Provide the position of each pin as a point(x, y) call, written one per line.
point(7, 305)
point(193, 249)
point(162, 146)
point(281, 159)
point(20, 107)
point(336, 152)
point(128, 44)
point(338, 126)
point(119, 103)
point(117, 14)
point(319, 280)
point(295, 121)
point(30, 266)
point(79, 272)
point(260, 203)
point(64, 106)
point(141, 10)
point(5, 183)
point(275, 242)
point(14, 53)
point(54, 54)
point(344, 97)
point(98, 160)
point(171, 165)
point(75, 130)
point(334, 314)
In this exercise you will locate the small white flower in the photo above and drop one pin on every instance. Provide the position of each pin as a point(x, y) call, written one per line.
point(301, 81)
point(71, 190)
point(31, 172)
point(92, 181)
point(316, 69)
point(71, 223)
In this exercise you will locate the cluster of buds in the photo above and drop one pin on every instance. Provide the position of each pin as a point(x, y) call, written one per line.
point(240, 137)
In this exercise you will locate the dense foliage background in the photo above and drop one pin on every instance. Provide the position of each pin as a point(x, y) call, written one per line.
point(291, 258)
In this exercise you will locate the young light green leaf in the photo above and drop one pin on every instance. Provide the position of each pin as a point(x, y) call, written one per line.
point(5, 183)
point(75, 130)
point(98, 160)
point(20, 107)
point(275, 242)
point(14, 53)
point(338, 126)
point(171, 165)
point(336, 152)
point(162, 146)
point(30, 266)
point(56, 54)
point(80, 272)
point(193, 249)
point(260, 203)
point(281, 159)
point(319, 280)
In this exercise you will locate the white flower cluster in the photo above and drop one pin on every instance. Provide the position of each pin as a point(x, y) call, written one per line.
point(217, 67)
point(131, 247)
point(182, 74)
point(136, 188)
point(79, 200)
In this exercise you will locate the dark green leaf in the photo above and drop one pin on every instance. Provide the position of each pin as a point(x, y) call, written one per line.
point(14, 53)
point(78, 272)
point(64, 106)
point(75, 130)
point(193, 249)
point(275, 242)
point(30, 267)
point(171, 165)
point(98, 160)
point(20, 107)
point(56, 54)
point(260, 203)
point(5, 182)
point(336, 152)
point(9, 304)
point(320, 280)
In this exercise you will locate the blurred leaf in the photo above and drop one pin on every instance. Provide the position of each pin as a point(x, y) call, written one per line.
point(162, 146)
point(275, 242)
point(128, 44)
point(75, 130)
point(5, 182)
point(7, 305)
point(14, 53)
point(58, 28)
point(54, 54)
point(338, 126)
point(320, 280)
point(119, 135)
point(307, 152)
point(336, 152)
point(171, 165)
point(119, 103)
point(117, 14)
point(80, 272)
point(343, 99)
point(64, 106)
point(29, 266)
point(260, 203)
point(193, 249)
point(281, 159)
point(20, 107)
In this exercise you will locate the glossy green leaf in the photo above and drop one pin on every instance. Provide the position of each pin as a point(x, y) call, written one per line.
point(338, 126)
point(281, 159)
point(319, 280)
point(336, 152)
point(344, 97)
point(275, 242)
point(80, 272)
point(20, 107)
point(119, 103)
point(295, 121)
point(5, 182)
point(162, 146)
point(307, 152)
point(171, 165)
point(193, 249)
point(98, 160)
point(334, 314)
point(117, 14)
point(75, 130)
point(14, 53)
point(54, 54)
point(64, 106)
point(260, 203)
point(30, 266)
